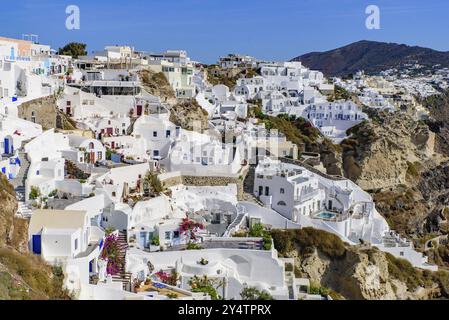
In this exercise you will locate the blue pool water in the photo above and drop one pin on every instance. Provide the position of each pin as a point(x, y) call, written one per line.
point(326, 215)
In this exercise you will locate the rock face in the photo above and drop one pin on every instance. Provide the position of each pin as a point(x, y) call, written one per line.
point(357, 272)
point(190, 116)
point(158, 85)
point(13, 230)
point(379, 154)
point(360, 275)
point(405, 164)
point(23, 276)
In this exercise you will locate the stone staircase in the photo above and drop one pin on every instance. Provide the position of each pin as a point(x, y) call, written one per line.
point(23, 210)
point(241, 213)
point(19, 181)
point(123, 276)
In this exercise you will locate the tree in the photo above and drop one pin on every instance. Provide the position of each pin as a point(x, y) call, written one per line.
point(256, 230)
point(252, 293)
point(153, 182)
point(74, 49)
point(35, 193)
point(206, 285)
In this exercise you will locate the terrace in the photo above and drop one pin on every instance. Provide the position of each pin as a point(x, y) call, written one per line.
point(163, 289)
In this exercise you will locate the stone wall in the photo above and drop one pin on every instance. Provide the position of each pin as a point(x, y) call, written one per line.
point(44, 109)
point(173, 180)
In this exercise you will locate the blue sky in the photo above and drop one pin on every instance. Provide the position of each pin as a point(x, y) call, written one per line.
point(268, 29)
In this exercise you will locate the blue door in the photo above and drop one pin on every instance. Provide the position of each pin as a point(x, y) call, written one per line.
point(6, 145)
point(37, 243)
point(143, 237)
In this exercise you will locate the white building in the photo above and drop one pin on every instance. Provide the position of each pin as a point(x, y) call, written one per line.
point(84, 150)
point(66, 238)
point(338, 206)
point(201, 154)
point(235, 268)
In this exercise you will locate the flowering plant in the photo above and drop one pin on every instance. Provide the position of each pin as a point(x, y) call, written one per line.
point(189, 227)
point(167, 278)
point(111, 252)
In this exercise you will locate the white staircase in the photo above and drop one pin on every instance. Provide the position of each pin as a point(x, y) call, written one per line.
point(24, 210)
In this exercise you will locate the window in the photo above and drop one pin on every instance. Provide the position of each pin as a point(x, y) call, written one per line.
point(154, 133)
point(91, 145)
point(167, 235)
point(282, 203)
point(176, 234)
point(155, 153)
point(167, 133)
point(282, 191)
point(76, 244)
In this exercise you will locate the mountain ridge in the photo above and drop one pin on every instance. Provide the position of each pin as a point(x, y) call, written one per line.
point(371, 56)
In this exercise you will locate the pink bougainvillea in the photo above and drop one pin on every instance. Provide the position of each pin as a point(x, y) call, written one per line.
point(111, 251)
point(167, 278)
point(189, 227)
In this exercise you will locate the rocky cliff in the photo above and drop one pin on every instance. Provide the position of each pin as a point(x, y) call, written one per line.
point(158, 85)
point(23, 276)
point(388, 151)
point(356, 272)
point(189, 115)
point(13, 230)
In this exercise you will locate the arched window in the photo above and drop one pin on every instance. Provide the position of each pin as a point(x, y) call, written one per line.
point(282, 203)
point(91, 145)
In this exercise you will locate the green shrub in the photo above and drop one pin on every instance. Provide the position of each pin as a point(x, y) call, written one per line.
point(257, 230)
point(325, 242)
point(206, 285)
point(252, 293)
point(155, 241)
point(403, 270)
point(307, 240)
point(35, 193)
point(37, 279)
point(193, 246)
point(267, 241)
point(152, 180)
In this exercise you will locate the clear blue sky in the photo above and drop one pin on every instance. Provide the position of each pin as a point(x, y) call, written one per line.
point(268, 29)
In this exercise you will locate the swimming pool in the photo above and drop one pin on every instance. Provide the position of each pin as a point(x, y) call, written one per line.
point(326, 215)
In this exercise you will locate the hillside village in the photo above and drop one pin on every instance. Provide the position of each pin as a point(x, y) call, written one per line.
point(151, 176)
